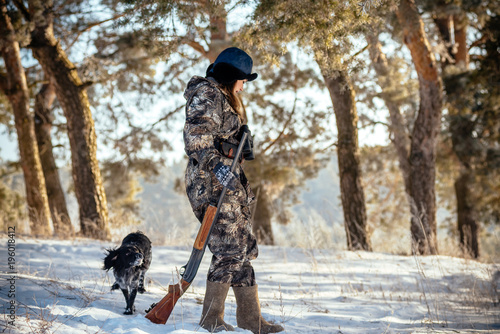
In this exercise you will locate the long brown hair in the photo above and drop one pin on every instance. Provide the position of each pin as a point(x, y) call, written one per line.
point(234, 101)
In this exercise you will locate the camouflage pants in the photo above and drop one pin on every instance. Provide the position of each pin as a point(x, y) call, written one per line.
point(233, 246)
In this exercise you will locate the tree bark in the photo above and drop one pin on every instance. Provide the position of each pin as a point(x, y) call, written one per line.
point(43, 126)
point(72, 96)
point(425, 131)
point(352, 193)
point(18, 95)
point(401, 140)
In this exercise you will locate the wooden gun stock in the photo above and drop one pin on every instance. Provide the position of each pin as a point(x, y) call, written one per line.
point(160, 313)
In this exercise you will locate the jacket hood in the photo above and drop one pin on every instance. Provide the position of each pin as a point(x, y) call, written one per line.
point(196, 82)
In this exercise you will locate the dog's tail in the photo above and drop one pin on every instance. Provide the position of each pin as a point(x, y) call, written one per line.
point(110, 259)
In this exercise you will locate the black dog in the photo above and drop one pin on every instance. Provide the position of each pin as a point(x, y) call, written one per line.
point(130, 263)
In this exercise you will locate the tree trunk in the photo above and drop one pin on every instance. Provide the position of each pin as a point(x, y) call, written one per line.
point(352, 193)
point(73, 98)
point(468, 226)
point(425, 131)
point(219, 38)
point(460, 30)
point(467, 223)
point(43, 126)
point(461, 132)
point(401, 140)
point(18, 95)
point(262, 214)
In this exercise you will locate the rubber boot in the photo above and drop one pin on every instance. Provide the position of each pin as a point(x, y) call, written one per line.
point(212, 316)
point(248, 314)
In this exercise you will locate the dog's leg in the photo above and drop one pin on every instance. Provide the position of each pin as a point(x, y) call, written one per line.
point(127, 299)
point(130, 303)
point(141, 282)
point(115, 286)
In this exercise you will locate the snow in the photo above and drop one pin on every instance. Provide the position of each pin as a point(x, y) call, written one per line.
point(60, 288)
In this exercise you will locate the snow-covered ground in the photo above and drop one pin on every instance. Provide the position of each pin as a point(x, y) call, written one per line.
point(60, 288)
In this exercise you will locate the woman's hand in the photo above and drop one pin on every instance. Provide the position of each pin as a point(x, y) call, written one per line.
point(225, 176)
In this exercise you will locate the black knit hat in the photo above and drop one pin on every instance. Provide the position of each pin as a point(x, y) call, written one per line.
point(232, 64)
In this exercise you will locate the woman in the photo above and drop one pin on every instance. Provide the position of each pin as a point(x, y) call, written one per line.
point(214, 117)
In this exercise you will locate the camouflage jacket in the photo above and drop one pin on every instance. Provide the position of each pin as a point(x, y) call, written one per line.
point(210, 118)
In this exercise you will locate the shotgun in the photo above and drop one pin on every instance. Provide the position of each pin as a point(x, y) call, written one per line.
point(160, 312)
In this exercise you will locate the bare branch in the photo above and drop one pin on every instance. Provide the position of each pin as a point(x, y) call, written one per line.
point(4, 85)
point(61, 6)
point(285, 126)
point(478, 42)
point(95, 24)
point(359, 52)
point(137, 130)
point(167, 116)
point(197, 47)
point(327, 148)
point(238, 3)
point(372, 123)
point(22, 8)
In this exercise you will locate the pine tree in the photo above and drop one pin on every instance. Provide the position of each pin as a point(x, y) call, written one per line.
point(352, 192)
point(16, 89)
point(71, 94)
point(469, 114)
point(325, 28)
point(424, 136)
point(43, 126)
point(391, 95)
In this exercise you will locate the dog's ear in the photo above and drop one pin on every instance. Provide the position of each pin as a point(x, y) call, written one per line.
point(110, 259)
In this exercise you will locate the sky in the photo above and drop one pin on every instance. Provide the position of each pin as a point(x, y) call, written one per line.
point(8, 149)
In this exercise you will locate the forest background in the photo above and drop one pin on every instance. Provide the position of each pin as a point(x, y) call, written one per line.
point(376, 123)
